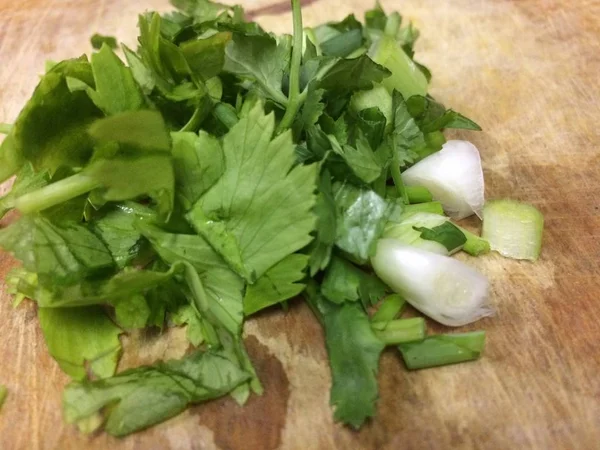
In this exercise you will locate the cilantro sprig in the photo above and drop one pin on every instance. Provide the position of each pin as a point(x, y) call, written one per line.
point(219, 171)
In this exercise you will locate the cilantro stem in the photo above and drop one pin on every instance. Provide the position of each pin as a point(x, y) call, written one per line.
point(443, 349)
point(293, 97)
point(55, 193)
point(395, 170)
point(401, 331)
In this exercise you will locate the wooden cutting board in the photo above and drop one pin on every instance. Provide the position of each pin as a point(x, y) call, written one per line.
point(527, 71)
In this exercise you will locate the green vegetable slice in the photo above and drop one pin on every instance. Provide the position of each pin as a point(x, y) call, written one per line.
point(147, 395)
point(513, 229)
point(443, 349)
point(354, 352)
point(401, 331)
point(76, 336)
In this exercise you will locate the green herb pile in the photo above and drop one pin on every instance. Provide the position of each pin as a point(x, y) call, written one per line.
point(218, 171)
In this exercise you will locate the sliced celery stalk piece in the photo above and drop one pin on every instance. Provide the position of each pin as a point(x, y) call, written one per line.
point(443, 349)
point(513, 229)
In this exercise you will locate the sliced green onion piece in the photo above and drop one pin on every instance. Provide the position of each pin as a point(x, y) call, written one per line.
point(443, 349)
point(402, 331)
point(391, 307)
point(474, 245)
point(430, 207)
point(418, 194)
point(454, 176)
point(441, 287)
point(409, 231)
point(513, 229)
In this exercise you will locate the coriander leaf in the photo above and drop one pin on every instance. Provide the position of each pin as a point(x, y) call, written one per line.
point(370, 125)
point(117, 288)
point(219, 287)
point(353, 74)
point(361, 160)
point(433, 116)
point(51, 130)
point(98, 40)
point(345, 282)
point(117, 231)
point(129, 177)
point(354, 352)
point(311, 110)
point(143, 129)
point(233, 348)
point(116, 90)
point(141, 73)
point(279, 283)
point(187, 315)
point(79, 336)
point(11, 160)
point(203, 10)
point(261, 59)
point(144, 396)
point(361, 218)
point(132, 312)
point(198, 164)
point(260, 210)
point(447, 234)
point(206, 57)
point(325, 210)
point(343, 44)
point(406, 138)
point(27, 181)
point(59, 254)
point(337, 128)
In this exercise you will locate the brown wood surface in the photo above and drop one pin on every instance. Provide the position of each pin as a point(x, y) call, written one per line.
point(527, 71)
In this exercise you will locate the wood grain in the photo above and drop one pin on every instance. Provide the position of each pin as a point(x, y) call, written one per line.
point(527, 71)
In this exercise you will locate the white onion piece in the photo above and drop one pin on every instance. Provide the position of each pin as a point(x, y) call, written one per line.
point(405, 233)
point(441, 287)
point(453, 176)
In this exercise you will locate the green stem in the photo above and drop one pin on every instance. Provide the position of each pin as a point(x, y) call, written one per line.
point(379, 185)
point(391, 307)
point(293, 103)
point(225, 113)
point(397, 177)
point(392, 25)
point(402, 331)
point(430, 207)
point(56, 193)
point(418, 194)
point(474, 245)
point(443, 349)
point(310, 33)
